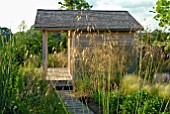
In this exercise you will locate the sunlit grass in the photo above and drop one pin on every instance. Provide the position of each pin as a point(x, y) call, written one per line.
point(104, 68)
point(57, 59)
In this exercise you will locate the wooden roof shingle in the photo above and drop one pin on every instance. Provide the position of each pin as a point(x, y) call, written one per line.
point(76, 19)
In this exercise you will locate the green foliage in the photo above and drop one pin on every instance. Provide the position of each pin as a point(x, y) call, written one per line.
point(156, 37)
point(97, 97)
point(154, 105)
point(5, 33)
point(22, 89)
point(116, 98)
point(9, 88)
point(33, 41)
point(154, 53)
point(83, 85)
point(75, 5)
point(139, 102)
point(35, 96)
point(57, 42)
point(29, 45)
point(163, 12)
point(134, 101)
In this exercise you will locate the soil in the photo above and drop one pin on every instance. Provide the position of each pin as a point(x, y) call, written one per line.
point(95, 107)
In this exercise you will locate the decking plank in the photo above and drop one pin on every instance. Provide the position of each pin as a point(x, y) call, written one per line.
point(72, 104)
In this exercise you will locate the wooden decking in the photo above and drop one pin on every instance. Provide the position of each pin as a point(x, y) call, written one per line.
point(58, 74)
point(59, 77)
point(73, 105)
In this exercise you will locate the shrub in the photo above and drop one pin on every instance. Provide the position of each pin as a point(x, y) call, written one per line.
point(153, 105)
point(134, 101)
point(35, 96)
point(139, 102)
point(97, 97)
point(116, 101)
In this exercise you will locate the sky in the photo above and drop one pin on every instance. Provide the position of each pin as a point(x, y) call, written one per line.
point(13, 12)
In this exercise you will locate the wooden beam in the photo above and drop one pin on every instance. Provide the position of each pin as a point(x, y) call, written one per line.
point(65, 31)
point(45, 53)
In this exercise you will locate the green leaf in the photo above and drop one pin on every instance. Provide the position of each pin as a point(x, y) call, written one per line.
point(59, 3)
point(168, 38)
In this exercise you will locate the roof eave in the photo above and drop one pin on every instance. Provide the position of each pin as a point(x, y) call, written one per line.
point(85, 29)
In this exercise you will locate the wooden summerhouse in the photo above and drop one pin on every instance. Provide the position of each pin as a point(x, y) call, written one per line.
point(79, 23)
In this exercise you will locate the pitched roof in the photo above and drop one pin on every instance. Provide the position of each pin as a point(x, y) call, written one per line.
point(76, 19)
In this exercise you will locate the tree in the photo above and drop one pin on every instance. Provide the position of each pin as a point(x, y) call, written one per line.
point(163, 12)
point(75, 5)
point(6, 33)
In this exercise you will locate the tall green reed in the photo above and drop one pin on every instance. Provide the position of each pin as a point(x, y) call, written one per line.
point(9, 89)
point(22, 89)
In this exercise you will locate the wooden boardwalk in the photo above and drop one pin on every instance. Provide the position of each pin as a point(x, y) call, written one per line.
point(73, 105)
point(60, 77)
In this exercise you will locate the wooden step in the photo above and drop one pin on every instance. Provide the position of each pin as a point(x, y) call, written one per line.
point(58, 74)
point(61, 85)
point(55, 77)
point(57, 69)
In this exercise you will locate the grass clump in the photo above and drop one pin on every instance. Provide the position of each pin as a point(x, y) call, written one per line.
point(131, 83)
point(159, 90)
point(57, 59)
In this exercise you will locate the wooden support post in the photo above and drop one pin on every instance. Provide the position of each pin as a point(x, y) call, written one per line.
point(68, 50)
point(45, 53)
point(71, 55)
point(70, 58)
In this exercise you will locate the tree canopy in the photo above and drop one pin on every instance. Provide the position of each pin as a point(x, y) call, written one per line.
point(75, 5)
point(5, 34)
point(162, 11)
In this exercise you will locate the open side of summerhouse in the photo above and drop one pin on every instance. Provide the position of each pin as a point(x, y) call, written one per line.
point(81, 26)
